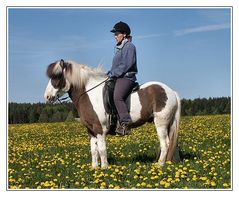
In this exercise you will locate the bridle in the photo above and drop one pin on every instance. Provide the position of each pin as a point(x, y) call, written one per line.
point(62, 64)
point(60, 100)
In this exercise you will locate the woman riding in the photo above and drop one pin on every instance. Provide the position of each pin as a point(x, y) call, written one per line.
point(123, 70)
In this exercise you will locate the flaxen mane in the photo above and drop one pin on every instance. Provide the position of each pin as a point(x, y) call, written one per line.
point(77, 74)
point(80, 74)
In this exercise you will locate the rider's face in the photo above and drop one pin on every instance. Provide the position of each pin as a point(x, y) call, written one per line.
point(119, 37)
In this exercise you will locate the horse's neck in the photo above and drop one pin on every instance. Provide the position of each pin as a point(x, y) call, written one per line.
point(76, 94)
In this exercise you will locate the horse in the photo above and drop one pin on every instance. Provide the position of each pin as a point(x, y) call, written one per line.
point(153, 101)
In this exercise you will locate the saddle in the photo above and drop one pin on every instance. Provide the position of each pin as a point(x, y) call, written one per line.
point(109, 105)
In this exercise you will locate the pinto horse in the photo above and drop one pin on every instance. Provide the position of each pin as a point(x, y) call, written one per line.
point(152, 101)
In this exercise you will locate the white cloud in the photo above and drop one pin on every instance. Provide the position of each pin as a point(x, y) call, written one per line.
point(181, 32)
point(149, 36)
point(200, 29)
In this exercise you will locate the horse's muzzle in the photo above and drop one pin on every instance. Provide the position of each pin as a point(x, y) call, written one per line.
point(50, 99)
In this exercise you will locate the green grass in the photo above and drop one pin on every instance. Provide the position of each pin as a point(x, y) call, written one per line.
point(57, 155)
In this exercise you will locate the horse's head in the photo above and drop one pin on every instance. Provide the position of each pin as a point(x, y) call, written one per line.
point(58, 85)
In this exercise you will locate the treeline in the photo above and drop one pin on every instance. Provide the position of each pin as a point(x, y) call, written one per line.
point(40, 112)
point(203, 106)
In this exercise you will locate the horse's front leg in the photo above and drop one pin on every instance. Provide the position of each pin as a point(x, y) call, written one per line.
point(101, 141)
point(94, 151)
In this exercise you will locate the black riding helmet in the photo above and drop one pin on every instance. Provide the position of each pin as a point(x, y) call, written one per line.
point(122, 28)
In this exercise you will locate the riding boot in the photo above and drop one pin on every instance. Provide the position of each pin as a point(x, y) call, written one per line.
point(123, 129)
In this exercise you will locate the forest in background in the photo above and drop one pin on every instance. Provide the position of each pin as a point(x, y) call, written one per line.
point(41, 112)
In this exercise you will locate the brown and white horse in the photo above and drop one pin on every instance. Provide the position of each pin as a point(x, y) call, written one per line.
point(153, 101)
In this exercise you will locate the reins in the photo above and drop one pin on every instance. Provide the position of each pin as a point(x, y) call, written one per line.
point(60, 100)
point(93, 87)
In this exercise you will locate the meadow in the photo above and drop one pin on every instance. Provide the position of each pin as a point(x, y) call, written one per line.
point(57, 156)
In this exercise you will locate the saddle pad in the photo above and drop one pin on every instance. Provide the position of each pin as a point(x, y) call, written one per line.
point(108, 96)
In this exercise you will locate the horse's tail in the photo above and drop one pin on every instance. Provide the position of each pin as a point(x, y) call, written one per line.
point(173, 151)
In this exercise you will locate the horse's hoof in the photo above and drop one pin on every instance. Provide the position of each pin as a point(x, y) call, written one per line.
point(160, 163)
point(104, 166)
point(94, 167)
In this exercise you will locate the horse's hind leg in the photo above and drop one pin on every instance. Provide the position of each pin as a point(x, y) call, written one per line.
point(162, 131)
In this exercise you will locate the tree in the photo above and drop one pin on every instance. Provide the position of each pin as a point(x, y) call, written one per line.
point(32, 116)
point(70, 117)
point(43, 116)
point(56, 117)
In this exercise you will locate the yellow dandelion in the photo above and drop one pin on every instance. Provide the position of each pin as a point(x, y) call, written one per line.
point(213, 184)
point(169, 162)
point(194, 178)
point(111, 186)
point(177, 175)
point(167, 185)
point(225, 185)
point(203, 178)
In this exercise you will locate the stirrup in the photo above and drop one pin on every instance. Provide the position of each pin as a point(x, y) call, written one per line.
point(123, 129)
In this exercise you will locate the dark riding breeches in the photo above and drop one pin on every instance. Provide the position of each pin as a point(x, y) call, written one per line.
point(123, 88)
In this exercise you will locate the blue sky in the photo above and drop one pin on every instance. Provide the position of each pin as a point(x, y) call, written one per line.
point(188, 49)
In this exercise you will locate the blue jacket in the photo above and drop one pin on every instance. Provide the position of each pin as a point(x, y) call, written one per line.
point(124, 62)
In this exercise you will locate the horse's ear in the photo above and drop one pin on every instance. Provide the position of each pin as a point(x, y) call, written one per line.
point(62, 64)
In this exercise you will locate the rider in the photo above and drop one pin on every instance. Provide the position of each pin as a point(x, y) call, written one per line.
point(124, 69)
